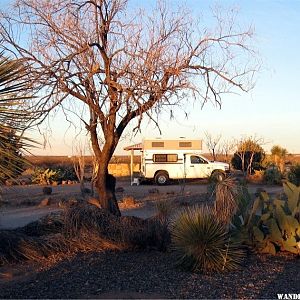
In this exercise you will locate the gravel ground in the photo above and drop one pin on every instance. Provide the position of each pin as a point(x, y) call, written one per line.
point(149, 274)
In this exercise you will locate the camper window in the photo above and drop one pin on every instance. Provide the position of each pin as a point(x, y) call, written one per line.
point(158, 144)
point(185, 144)
point(165, 157)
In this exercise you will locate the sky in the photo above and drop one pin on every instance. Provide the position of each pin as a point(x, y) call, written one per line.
point(271, 110)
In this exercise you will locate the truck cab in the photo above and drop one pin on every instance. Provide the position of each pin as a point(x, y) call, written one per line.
point(197, 166)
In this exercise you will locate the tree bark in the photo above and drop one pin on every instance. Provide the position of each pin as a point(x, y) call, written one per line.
point(105, 185)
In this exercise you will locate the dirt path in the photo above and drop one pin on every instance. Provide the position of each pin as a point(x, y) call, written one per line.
point(13, 216)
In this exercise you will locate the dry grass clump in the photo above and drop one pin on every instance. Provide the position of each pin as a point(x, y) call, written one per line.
point(226, 200)
point(50, 224)
point(16, 246)
point(127, 232)
point(164, 209)
point(89, 218)
point(128, 202)
point(82, 227)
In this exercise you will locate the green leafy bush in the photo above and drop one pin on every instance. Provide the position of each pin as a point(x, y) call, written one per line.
point(294, 174)
point(272, 175)
point(64, 173)
point(58, 174)
point(202, 243)
point(256, 163)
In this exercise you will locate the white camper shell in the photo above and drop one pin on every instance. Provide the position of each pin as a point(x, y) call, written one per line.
point(163, 160)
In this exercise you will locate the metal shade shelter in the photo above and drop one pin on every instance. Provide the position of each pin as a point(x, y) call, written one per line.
point(131, 148)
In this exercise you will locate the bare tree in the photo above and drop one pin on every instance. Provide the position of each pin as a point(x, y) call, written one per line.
point(95, 168)
point(226, 148)
point(109, 65)
point(212, 143)
point(79, 166)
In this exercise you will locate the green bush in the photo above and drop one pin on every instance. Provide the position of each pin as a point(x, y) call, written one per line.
point(58, 174)
point(202, 243)
point(294, 174)
point(257, 162)
point(64, 173)
point(272, 176)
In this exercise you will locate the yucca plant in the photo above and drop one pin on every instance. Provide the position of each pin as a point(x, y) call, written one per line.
point(13, 117)
point(203, 243)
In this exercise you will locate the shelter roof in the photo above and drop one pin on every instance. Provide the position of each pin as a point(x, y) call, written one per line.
point(138, 146)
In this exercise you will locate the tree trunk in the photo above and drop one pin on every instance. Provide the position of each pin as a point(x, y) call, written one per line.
point(105, 185)
point(214, 155)
point(82, 187)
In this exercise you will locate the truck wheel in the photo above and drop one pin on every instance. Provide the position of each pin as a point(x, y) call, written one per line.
point(218, 176)
point(161, 178)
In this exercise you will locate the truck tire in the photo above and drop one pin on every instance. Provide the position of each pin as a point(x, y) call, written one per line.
point(218, 176)
point(161, 178)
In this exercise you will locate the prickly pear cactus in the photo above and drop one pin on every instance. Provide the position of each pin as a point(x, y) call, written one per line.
point(278, 222)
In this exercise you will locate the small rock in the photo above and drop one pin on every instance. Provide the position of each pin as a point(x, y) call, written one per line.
point(25, 182)
point(44, 202)
point(47, 190)
point(153, 191)
point(120, 189)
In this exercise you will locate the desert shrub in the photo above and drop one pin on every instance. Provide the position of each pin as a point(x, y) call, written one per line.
point(56, 174)
point(43, 176)
point(85, 217)
point(202, 243)
point(256, 177)
point(64, 172)
point(81, 227)
point(130, 232)
point(294, 174)
point(128, 201)
point(164, 209)
point(257, 162)
point(272, 176)
point(50, 224)
point(16, 246)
